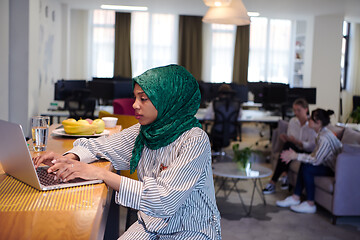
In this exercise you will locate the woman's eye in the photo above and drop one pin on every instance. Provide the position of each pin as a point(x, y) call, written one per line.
point(144, 99)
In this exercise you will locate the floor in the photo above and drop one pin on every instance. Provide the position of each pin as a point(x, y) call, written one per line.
point(269, 221)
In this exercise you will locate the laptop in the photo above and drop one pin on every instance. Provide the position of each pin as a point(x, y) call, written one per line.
point(16, 161)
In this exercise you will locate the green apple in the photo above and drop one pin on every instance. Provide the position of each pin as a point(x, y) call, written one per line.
point(100, 124)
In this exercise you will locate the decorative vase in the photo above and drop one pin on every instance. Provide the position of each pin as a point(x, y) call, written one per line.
point(244, 165)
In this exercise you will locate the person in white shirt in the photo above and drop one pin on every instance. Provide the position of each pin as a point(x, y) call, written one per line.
point(300, 137)
point(172, 155)
point(321, 162)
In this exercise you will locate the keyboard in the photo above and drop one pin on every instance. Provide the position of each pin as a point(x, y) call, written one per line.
point(47, 179)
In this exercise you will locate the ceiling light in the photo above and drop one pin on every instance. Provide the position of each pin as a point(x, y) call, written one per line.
point(124, 8)
point(235, 13)
point(217, 3)
point(253, 14)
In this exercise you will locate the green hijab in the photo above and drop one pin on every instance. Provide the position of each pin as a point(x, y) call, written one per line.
point(175, 94)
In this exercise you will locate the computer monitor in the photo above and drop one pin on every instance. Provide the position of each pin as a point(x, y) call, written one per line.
point(241, 92)
point(307, 93)
point(65, 88)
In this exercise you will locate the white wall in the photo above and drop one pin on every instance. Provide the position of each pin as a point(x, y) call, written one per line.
point(48, 51)
point(4, 59)
point(19, 62)
point(326, 56)
point(78, 55)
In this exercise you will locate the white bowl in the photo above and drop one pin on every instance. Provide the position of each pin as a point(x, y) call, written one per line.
point(110, 122)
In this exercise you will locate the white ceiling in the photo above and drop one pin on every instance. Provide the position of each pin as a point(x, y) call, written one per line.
point(271, 8)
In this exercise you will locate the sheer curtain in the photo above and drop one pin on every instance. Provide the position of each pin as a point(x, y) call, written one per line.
point(103, 43)
point(153, 40)
point(270, 50)
point(222, 52)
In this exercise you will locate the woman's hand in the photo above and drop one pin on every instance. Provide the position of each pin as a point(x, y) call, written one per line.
point(47, 158)
point(68, 169)
point(288, 155)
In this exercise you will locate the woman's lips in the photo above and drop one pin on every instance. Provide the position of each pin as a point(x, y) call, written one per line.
point(137, 116)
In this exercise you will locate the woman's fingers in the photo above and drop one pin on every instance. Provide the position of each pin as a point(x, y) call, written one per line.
point(67, 169)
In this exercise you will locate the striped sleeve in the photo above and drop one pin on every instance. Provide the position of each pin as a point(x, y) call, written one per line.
point(129, 194)
point(116, 148)
point(325, 152)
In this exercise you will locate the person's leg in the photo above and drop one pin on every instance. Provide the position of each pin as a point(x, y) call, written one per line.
point(299, 186)
point(281, 166)
point(295, 198)
point(309, 173)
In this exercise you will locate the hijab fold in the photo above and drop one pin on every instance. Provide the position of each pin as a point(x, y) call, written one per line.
point(175, 94)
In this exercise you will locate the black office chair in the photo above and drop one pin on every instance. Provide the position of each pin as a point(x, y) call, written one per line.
point(225, 127)
point(80, 104)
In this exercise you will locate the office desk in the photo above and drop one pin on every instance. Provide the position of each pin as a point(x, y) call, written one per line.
point(65, 113)
point(247, 116)
point(71, 213)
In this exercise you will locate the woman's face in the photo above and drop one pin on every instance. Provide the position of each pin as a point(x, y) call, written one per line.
point(300, 112)
point(315, 124)
point(145, 111)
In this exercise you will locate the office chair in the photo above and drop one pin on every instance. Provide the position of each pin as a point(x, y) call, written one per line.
point(124, 106)
point(80, 104)
point(225, 125)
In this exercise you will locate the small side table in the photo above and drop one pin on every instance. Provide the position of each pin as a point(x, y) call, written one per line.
point(229, 171)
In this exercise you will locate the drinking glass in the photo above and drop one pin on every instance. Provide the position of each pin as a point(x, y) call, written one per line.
point(40, 132)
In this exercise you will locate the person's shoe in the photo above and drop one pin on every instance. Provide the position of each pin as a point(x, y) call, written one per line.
point(269, 189)
point(287, 202)
point(284, 183)
point(304, 207)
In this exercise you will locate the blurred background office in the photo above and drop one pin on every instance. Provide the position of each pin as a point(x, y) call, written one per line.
point(297, 43)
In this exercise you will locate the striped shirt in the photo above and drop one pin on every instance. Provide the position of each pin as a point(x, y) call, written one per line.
point(326, 150)
point(175, 191)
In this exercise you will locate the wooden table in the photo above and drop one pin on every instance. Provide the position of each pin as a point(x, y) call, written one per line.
point(71, 213)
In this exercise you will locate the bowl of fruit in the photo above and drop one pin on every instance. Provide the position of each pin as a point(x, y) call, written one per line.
point(83, 126)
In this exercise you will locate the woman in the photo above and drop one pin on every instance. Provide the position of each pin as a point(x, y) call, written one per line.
point(175, 192)
point(300, 137)
point(321, 162)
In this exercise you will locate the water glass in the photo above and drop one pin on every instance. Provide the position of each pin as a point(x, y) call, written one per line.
point(40, 132)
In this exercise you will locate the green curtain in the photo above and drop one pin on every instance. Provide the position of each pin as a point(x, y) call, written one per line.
point(241, 55)
point(190, 44)
point(122, 59)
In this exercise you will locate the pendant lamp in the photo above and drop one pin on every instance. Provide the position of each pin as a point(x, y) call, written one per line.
point(235, 14)
point(217, 3)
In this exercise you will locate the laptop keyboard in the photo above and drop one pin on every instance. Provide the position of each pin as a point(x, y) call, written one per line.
point(47, 179)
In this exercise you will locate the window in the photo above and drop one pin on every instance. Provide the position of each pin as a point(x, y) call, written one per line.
point(270, 50)
point(153, 41)
point(103, 43)
point(222, 52)
point(345, 54)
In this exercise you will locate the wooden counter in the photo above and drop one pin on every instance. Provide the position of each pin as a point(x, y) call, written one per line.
point(71, 213)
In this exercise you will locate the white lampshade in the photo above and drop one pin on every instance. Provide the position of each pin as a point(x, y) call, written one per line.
point(235, 13)
point(217, 3)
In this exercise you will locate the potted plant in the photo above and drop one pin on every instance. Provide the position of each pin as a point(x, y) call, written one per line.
point(242, 157)
point(354, 116)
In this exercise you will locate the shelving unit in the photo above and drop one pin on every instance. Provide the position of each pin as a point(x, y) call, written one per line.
point(298, 69)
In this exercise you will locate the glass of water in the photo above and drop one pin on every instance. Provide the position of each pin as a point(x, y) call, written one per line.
point(40, 132)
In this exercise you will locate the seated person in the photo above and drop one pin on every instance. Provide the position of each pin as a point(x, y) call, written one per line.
point(224, 91)
point(321, 162)
point(172, 155)
point(300, 137)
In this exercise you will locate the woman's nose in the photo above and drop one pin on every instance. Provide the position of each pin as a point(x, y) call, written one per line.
point(135, 105)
